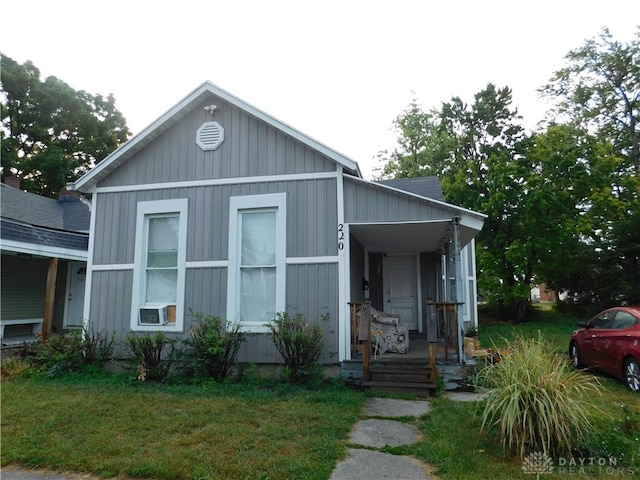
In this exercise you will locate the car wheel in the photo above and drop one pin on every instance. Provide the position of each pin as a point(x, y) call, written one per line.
point(632, 374)
point(574, 354)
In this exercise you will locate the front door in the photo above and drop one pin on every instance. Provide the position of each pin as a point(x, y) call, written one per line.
point(400, 288)
point(73, 313)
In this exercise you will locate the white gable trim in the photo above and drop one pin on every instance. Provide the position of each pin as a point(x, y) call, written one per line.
point(88, 181)
point(218, 181)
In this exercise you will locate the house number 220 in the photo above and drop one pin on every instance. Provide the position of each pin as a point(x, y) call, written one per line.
point(340, 236)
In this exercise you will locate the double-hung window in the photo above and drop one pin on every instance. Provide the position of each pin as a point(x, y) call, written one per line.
point(159, 272)
point(257, 233)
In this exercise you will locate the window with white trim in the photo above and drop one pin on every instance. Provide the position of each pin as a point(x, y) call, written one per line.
point(159, 273)
point(257, 250)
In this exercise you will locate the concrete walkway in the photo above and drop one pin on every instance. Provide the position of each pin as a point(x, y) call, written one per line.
point(378, 431)
point(368, 464)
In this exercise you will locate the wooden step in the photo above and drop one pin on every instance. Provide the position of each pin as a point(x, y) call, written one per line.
point(419, 389)
point(412, 376)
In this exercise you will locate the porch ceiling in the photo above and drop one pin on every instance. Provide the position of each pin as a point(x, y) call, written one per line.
point(407, 237)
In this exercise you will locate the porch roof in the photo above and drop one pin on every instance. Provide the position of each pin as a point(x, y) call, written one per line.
point(412, 237)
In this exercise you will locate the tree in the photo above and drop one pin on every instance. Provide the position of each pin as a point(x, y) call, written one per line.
point(422, 145)
point(477, 151)
point(600, 90)
point(51, 134)
point(599, 93)
point(487, 172)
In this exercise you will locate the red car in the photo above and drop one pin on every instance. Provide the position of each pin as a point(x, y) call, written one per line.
point(610, 342)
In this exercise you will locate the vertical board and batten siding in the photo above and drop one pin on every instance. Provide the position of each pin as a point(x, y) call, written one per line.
point(110, 301)
point(372, 203)
point(314, 289)
point(311, 219)
point(251, 148)
point(311, 206)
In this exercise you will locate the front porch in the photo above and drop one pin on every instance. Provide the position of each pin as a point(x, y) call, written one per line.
point(411, 372)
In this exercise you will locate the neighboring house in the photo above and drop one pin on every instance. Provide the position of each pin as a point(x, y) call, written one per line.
point(219, 208)
point(44, 245)
point(542, 293)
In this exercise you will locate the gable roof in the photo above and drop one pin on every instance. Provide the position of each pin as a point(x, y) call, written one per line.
point(88, 181)
point(43, 226)
point(67, 213)
point(428, 187)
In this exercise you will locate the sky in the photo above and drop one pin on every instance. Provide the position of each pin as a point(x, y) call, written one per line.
point(338, 71)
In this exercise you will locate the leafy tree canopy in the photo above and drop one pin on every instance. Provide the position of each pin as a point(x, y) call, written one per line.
point(599, 89)
point(52, 134)
point(562, 203)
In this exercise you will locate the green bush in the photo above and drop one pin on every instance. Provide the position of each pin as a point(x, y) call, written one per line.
point(536, 399)
point(154, 356)
point(213, 346)
point(69, 352)
point(97, 347)
point(300, 345)
point(58, 353)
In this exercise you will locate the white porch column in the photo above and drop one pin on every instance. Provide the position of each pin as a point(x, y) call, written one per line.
point(459, 289)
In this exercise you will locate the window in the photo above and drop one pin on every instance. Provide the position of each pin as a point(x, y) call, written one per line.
point(602, 321)
point(623, 320)
point(159, 273)
point(257, 225)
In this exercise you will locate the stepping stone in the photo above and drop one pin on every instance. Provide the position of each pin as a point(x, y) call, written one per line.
point(369, 465)
point(389, 407)
point(380, 433)
point(466, 396)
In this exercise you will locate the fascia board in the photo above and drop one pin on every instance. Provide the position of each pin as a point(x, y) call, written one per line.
point(43, 250)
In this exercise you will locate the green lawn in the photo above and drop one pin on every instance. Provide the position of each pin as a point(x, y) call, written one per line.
point(557, 330)
point(114, 426)
point(110, 426)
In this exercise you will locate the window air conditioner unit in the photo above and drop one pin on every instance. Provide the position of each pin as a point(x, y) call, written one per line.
point(153, 315)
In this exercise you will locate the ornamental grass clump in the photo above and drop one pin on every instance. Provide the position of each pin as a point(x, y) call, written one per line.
point(538, 402)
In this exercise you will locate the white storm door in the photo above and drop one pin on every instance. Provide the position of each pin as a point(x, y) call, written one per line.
point(401, 287)
point(73, 312)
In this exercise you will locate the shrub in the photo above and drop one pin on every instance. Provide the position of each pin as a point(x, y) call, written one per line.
point(70, 351)
point(59, 353)
point(300, 345)
point(154, 355)
point(536, 400)
point(97, 347)
point(213, 346)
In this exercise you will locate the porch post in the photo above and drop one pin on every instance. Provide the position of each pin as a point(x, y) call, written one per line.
point(50, 297)
point(459, 290)
point(344, 280)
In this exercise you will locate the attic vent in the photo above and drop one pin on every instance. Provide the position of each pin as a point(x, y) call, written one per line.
point(210, 135)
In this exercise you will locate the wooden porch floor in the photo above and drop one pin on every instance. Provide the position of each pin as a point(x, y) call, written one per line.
point(419, 351)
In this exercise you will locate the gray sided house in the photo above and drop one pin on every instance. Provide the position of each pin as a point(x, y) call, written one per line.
point(44, 246)
point(219, 208)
